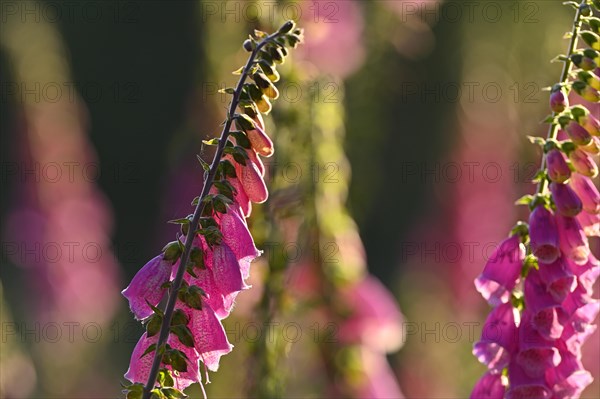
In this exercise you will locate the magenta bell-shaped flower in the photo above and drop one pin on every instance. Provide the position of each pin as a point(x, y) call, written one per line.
point(558, 278)
point(147, 285)
point(573, 242)
point(558, 169)
point(544, 235)
point(502, 271)
point(583, 163)
point(545, 310)
point(139, 366)
point(577, 133)
point(566, 200)
point(587, 191)
point(489, 386)
point(498, 341)
point(536, 353)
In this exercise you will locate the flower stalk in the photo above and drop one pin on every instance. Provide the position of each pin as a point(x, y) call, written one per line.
point(213, 259)
point(540, 279)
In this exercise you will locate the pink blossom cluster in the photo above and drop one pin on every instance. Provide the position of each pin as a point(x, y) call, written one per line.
point(540, 280)
point(219, 269)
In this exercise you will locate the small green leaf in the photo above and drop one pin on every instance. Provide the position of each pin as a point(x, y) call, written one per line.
point(204, 164)
point(260, 34)
point(153, 325)
point(173, 393)
point(197, 258)
point(155, 309)
point(227, 90)
point(179, 318)
point(150, 349)
point(214, 141)
point(244, 122)
point(524, 200)
point(184, 335)
point(241, 139)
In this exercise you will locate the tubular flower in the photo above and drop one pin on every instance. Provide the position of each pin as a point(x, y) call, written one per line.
point(206, 268)
point(552, 293)
point(147, 286)
point(502, 271)
point(544, 235)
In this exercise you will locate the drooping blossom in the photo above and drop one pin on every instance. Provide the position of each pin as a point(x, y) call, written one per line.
point(147, 286)
point(502, 271)
point(218, 252)
point(498, 338)
point(489, 386)
point(543, 233)
point(558, 169)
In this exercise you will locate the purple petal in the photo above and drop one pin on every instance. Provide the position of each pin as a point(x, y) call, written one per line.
point(146, 286)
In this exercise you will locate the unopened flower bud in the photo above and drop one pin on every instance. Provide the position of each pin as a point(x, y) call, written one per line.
point(591, 124)
point(566, 200)
point(558, 169)
point(587, 192)
point(583, 163)
point(558, 99)
point(577, 133)
point(287, 26)
point(172, 251)
point(593, 147)
point(591, 39)
point(586, 91)
point(248, 46)
point(590, 78)
point(583, 62)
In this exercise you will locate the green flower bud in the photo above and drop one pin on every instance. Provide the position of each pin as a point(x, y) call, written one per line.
point(172, 251)
point(287, 26)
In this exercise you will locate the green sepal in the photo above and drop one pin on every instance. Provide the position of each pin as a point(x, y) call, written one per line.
point(213, 141)
point(197, 258)
point(241, 138)
point(173, 393)
point(179, 318)
point(155, 309)
point(204, 164)
point(184, 335)
point(153, 325)
point(148, 350)
point(164, 378)
point(524, 200)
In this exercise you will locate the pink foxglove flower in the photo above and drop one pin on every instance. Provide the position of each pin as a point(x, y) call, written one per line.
point(261, 142)
point(522, 386)
point(536, 353)
point(577, 133)
point(558, 279)
point(583, 163)
point(569, 378)
point(502, 271)
point(543, 307)
point(139, 367)
point(213, 253)
point(566, 200)
point(490, 386)
point(498, 342)
point(147, 285)
point(544, 235)
point(558, 169)
point(573, 241)
point(587, 192)
point(591, 124)
point(556, 300)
